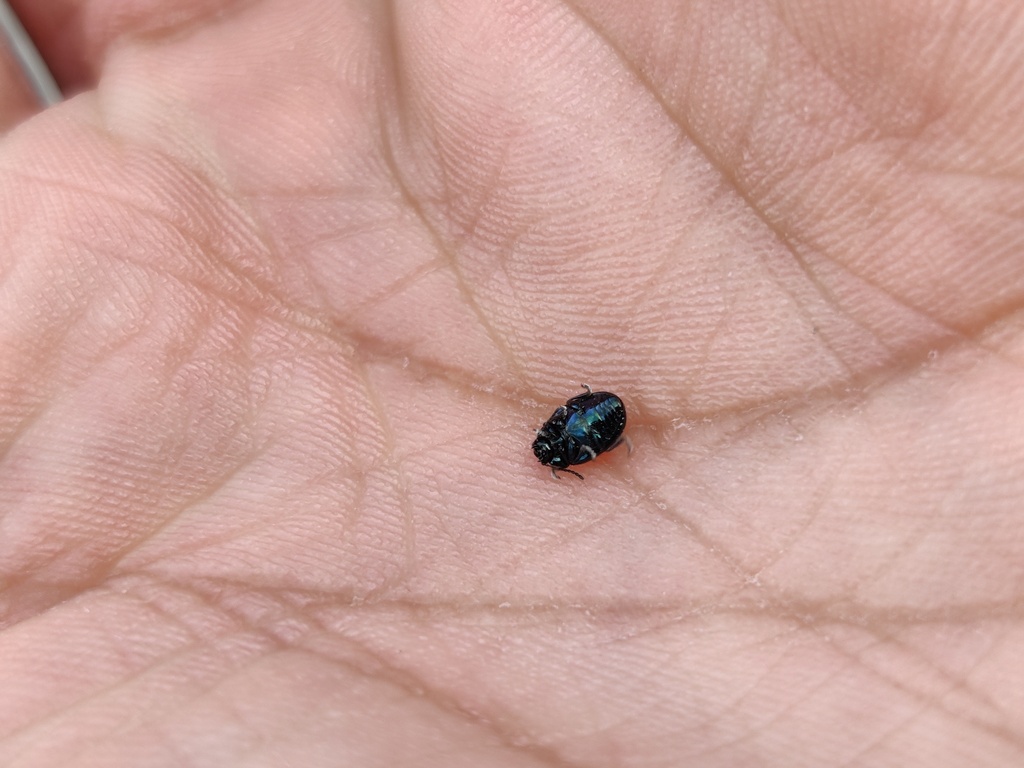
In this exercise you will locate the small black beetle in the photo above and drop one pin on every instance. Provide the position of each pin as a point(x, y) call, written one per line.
point(587, 425)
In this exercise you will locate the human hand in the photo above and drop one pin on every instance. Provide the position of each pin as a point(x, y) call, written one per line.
point(287, 290)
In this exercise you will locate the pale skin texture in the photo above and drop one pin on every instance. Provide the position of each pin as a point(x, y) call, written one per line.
point(290, 284)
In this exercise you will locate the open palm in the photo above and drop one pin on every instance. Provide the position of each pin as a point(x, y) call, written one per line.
point(288, 288)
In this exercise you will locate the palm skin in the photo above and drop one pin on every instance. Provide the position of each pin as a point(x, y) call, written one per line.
point(287, 290)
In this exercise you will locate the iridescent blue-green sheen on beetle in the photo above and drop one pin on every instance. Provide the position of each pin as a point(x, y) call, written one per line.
point(577, 432)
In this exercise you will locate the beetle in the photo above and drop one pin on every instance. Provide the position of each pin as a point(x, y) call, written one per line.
point(579, 431)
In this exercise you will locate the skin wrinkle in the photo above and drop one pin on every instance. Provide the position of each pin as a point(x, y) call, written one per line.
point(950, 339)
point(798, 618)
point(41, 563)
point(1003, 733)
point(752, 733)
point(829, 299)
point(204, 691)
point(760, 418)
point(734, 705)
point(472, 222)
point(393, 289)
point(551, 543)
point(886, 567)
point(270, 304)
point(418, 688)
point(757, 102)
point(822, 491)
point(166, 660)
point(721, 555)
point(951, 682)
point(441, 246)
point(774, 604)
point(450, 250)
point(567, 536)
point(452, 539)
point(880, 740)
point(798, 621)
point(655, 277)
point(898, 724)
point(658, 274)
point(320, 290)
point(832, 77)
point(317, 287)
point(398, 676)
point(714, 335)
point(755, 684)
point(18, 430)
point(884, 639)
point(947, 62)
point(762, 421)
point(371, 349)
point(114, 558)
point(269, 301)
point(102, 571)
point(214, 485)
point(788, 243)
point(858, 659)
point(822, 614)
point(13, 614)
point(899, 153)
point(392, 461)
point(149, 210)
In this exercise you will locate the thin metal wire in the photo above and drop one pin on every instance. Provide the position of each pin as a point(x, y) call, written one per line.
point(32, 64)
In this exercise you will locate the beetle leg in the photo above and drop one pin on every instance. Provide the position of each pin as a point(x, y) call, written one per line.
point(591, 451)
point(623, 439)
point(554, 473)
point(587, 387)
